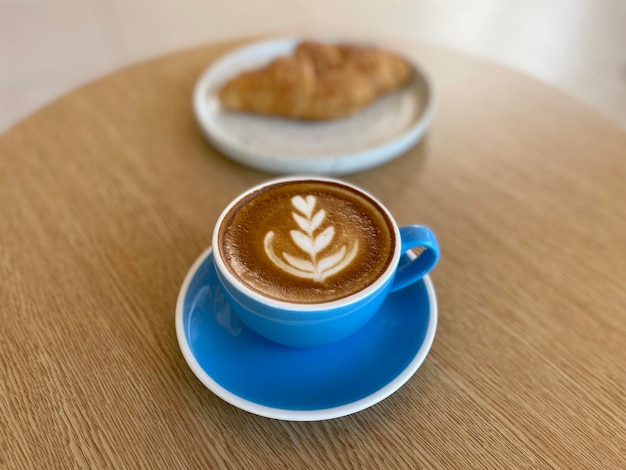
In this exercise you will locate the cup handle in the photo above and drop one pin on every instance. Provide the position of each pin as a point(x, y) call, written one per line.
point(412, 268)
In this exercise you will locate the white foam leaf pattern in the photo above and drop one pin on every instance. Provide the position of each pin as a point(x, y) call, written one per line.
point(317, 219)
point(304, 205)
point(299, 263)
point(312, 268)
point(323, 239)
point(304, 243)
point(344, 263)
point(310, 225)
point(303, 223)
point(331, 260)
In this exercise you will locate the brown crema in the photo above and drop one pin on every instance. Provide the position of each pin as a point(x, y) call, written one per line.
point(306, 241)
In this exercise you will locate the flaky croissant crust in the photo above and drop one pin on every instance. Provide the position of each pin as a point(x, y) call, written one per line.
point(317, 82)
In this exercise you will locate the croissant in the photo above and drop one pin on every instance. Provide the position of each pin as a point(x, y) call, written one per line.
point(317, 82)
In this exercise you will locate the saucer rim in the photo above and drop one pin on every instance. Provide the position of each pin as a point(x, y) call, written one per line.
point(300, 415)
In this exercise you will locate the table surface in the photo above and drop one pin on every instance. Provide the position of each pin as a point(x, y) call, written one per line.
point(108, 195)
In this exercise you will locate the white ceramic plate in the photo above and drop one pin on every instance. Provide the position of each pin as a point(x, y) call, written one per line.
point(381, 132)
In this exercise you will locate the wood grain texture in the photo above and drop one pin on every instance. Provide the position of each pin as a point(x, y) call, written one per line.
point(108, 195)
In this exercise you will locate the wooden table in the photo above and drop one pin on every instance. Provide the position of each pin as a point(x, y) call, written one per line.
point(108, 195)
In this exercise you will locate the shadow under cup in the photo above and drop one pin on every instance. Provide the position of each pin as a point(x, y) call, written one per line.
point(304, 325)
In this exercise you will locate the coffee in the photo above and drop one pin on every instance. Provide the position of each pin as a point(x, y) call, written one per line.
point(306, 241)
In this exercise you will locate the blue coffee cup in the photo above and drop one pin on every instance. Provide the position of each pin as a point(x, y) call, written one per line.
point(304, 325)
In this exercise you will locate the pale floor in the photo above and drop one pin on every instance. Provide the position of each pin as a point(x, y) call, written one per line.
point(49, 47)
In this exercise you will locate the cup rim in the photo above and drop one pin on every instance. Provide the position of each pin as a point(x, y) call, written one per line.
point(358, 296)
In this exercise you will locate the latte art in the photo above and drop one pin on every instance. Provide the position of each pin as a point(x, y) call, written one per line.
point(306, 241)
point(313, 267)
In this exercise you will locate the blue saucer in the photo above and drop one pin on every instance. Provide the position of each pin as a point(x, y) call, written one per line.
point(265, 378)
